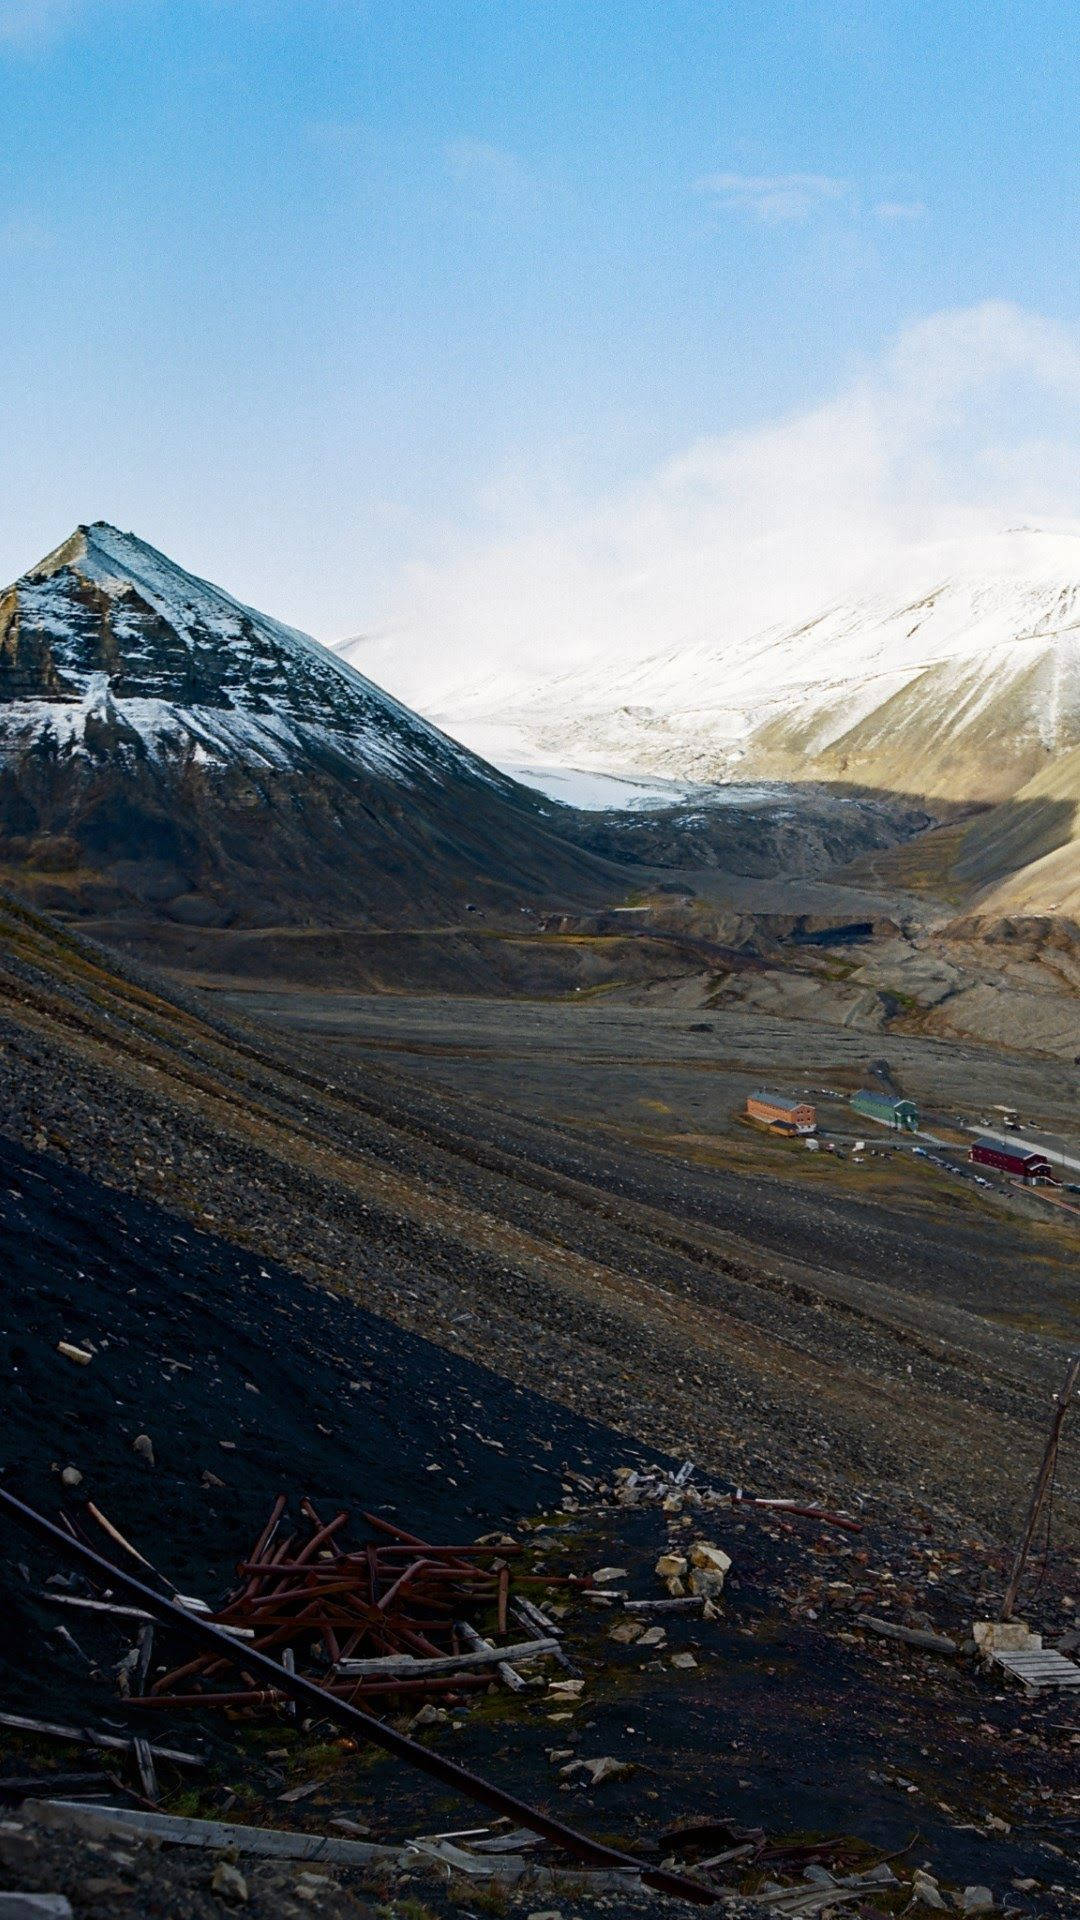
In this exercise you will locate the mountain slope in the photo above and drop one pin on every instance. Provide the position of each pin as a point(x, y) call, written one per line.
point(955, 675)
point(165, 749)
point(1025, 854)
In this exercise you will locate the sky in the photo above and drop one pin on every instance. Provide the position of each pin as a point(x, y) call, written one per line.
point(453, 322)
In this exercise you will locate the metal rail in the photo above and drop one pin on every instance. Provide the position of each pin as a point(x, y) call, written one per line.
point(353, 1718)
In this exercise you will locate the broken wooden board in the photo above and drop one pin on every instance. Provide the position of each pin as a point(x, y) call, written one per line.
point(177, 1831)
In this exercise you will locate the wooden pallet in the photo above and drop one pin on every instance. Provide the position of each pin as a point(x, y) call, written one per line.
point(1039, 1667)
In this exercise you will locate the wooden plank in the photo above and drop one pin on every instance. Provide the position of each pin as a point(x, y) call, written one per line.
point(687, 1603)
point(93, 1606)
point(145, 1655)
point(504, 1670)
point(144, 1760)
point(405, 1666)
point(1041, 1667)
point(531, 1616)
point(265, 1842)
point(911, 1636)
point(87, 1737)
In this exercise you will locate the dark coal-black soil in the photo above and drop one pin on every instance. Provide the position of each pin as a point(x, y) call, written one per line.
point(237, 1369)
point(250, 1380)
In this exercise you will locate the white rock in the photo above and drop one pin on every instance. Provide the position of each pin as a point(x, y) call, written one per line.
point(606, 1768)
point(229, 1882)
point(707, 1555)
point(709, 1584)
point(976, 1900)
point(1004, 1636)
point(71, 1477)
point(926, 1891)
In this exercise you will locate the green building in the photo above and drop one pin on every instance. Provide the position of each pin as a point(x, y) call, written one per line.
point(887, 1110)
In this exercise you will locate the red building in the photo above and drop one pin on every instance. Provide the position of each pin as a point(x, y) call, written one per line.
point(784, 1113)
point(1020, 1162)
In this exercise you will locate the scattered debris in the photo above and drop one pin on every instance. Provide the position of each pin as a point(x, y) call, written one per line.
point(507, 1674)
point(347, 1713)
point(386, 1618)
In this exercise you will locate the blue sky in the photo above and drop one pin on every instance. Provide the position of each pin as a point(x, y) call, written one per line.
point(334, 299)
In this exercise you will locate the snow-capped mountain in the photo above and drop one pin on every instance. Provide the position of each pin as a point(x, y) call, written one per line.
point(106, 632)
point(954, 673)
point(166, 749)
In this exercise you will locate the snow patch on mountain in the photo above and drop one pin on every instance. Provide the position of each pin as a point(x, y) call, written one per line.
point(949, 644)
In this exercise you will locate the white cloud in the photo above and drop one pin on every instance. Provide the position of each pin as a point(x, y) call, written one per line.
point(900, 210)
point(969, 420)
point(773, 197)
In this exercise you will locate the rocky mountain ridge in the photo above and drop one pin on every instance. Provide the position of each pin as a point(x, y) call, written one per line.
point(166, 750)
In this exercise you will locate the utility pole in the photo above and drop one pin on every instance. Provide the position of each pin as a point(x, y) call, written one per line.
point(1061, 1402)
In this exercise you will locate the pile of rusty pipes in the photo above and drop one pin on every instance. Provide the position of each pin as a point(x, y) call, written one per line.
point(321, 1607)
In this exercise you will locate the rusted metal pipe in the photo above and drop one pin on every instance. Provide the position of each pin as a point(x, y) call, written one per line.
point(351, 1717)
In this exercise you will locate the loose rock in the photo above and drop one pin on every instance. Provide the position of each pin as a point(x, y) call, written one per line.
point(925, 1890)
point(229, 1882)
point(976, 1900)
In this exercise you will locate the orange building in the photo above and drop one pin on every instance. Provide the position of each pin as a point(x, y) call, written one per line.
point(782, 1112)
